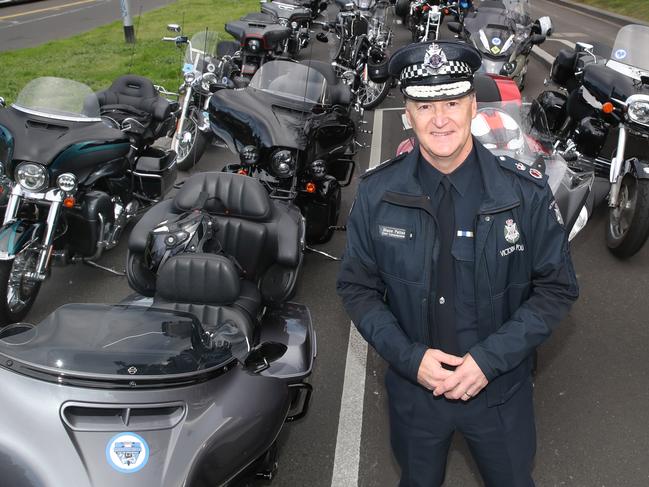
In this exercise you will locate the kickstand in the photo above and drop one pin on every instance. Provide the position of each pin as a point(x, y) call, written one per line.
point(325, 254)
point(103, 268)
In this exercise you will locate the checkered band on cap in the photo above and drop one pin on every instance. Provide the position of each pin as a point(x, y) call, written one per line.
point(423, 70)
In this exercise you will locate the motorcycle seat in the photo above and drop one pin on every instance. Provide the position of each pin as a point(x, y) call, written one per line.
point(137, 92)
point(208, 286)
point(262, 235)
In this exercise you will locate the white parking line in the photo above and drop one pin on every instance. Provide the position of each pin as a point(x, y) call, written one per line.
point(350, 420)
point(545, 56)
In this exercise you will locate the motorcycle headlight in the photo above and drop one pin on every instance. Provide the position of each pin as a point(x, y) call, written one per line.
point(67, 182)
point(282, 164)
point(283, 22)
point(638, 109)
point(294, 25)
point(190, 77)
point(32, 177)
point(318, 168)
point(582, 219)
point(254, 45)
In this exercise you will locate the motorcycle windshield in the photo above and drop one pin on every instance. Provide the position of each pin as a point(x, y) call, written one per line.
point(293, 81)
point(104, 342)
point(495, 31)
point(630, 46)
point(59, 98)
point(201, 49)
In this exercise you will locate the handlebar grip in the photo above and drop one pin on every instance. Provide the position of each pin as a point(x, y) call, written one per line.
point(172, 39)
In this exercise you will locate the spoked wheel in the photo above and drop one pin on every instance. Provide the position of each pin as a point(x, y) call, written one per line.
point(628, 222)
point(371, 94)
point(18, 291)
point(191, 145)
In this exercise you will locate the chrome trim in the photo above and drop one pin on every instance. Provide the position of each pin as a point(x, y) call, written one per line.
point(57, 117)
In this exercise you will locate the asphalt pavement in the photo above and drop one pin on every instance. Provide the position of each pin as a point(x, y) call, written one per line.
point(591, 391)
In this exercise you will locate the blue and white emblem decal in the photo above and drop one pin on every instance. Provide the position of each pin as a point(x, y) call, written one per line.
point(496, 41)
point(188, 68)
point(620, 54)
point(127, 452)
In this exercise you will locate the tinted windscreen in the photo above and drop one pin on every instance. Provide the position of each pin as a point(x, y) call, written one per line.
point(96, 339)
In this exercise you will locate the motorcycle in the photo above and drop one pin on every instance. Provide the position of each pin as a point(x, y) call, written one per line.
point(261, 40)
point(190, 385)
point(361, 57)
point(75, 178)
point(204, 72)
point(424, 19)
point(296, 17)
point(505, 34)
point(292, 129)
point(600, 119)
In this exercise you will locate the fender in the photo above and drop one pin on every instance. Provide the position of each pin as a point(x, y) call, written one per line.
point(16, 236)
point(640, 169)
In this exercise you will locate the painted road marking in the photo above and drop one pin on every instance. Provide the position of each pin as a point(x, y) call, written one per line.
point(58, 7)
point(570, 44)
point(350, 420)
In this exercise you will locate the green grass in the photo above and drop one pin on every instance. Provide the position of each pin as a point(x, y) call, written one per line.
point(638, 9)
point(99, 56)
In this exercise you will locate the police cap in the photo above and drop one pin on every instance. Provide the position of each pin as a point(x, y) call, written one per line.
point(438, 70)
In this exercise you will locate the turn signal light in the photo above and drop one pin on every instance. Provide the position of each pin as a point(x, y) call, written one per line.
point(243, 172)
point(69, 202)
point(310, 187)
point(608, 107)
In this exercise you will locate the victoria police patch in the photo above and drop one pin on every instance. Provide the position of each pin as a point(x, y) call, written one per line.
point(511, 231)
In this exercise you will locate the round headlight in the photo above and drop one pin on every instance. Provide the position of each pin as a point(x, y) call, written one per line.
point(190, 77)
point(318, 168)
point(294, 25)
point(254, 45)
point(282, 164)
point(249, 155)
point(638, 109)
point(67, 182)
point(210, 68)
point(32, 177)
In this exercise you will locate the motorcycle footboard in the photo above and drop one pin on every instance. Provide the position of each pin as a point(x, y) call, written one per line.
point(301, 401)
point(291, 325)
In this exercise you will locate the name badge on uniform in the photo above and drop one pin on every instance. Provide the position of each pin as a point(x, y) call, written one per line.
point(392, 232)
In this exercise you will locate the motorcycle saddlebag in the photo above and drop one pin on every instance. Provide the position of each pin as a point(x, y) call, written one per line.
point(155, 172)
point(377, 71)
point(563, 67)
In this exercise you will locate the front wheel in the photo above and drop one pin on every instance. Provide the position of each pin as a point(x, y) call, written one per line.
point(628, 222)
point(191, 144)
point(17, 291)
point(372, 94)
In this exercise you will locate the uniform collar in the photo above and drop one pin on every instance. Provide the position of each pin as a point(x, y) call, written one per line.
point(460, 179)
point(498, 193)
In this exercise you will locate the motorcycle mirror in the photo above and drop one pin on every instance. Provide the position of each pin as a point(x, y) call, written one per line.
point(455, 27)
point(2, 102)
point(322, 7)
point(182, 40)
point(174, 28)
point(260, 357)
point(322, 37)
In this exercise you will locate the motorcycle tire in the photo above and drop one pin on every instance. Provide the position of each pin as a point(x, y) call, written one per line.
point(190, 156)
point(382, 94)
point(628, 224)
point(13, 314)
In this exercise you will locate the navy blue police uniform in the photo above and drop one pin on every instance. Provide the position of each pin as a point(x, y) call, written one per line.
point(514, 282)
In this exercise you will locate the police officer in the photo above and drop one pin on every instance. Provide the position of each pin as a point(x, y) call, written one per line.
point(456, 268)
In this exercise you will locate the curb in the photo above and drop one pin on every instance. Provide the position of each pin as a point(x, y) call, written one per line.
point(602, 14)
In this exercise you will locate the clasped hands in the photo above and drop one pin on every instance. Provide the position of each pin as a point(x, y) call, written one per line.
point(463, 383)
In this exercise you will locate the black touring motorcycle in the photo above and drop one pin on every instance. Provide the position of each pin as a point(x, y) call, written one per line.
point(292, 129)
point(601, 118)
point(76, 179)
point(190, 380)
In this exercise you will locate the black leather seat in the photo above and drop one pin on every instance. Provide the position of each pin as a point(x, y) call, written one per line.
point(132, 96)
point(263, 236)
point(207, 286)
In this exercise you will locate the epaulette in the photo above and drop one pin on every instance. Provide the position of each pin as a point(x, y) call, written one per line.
point(533, 173)
point(383, 165)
